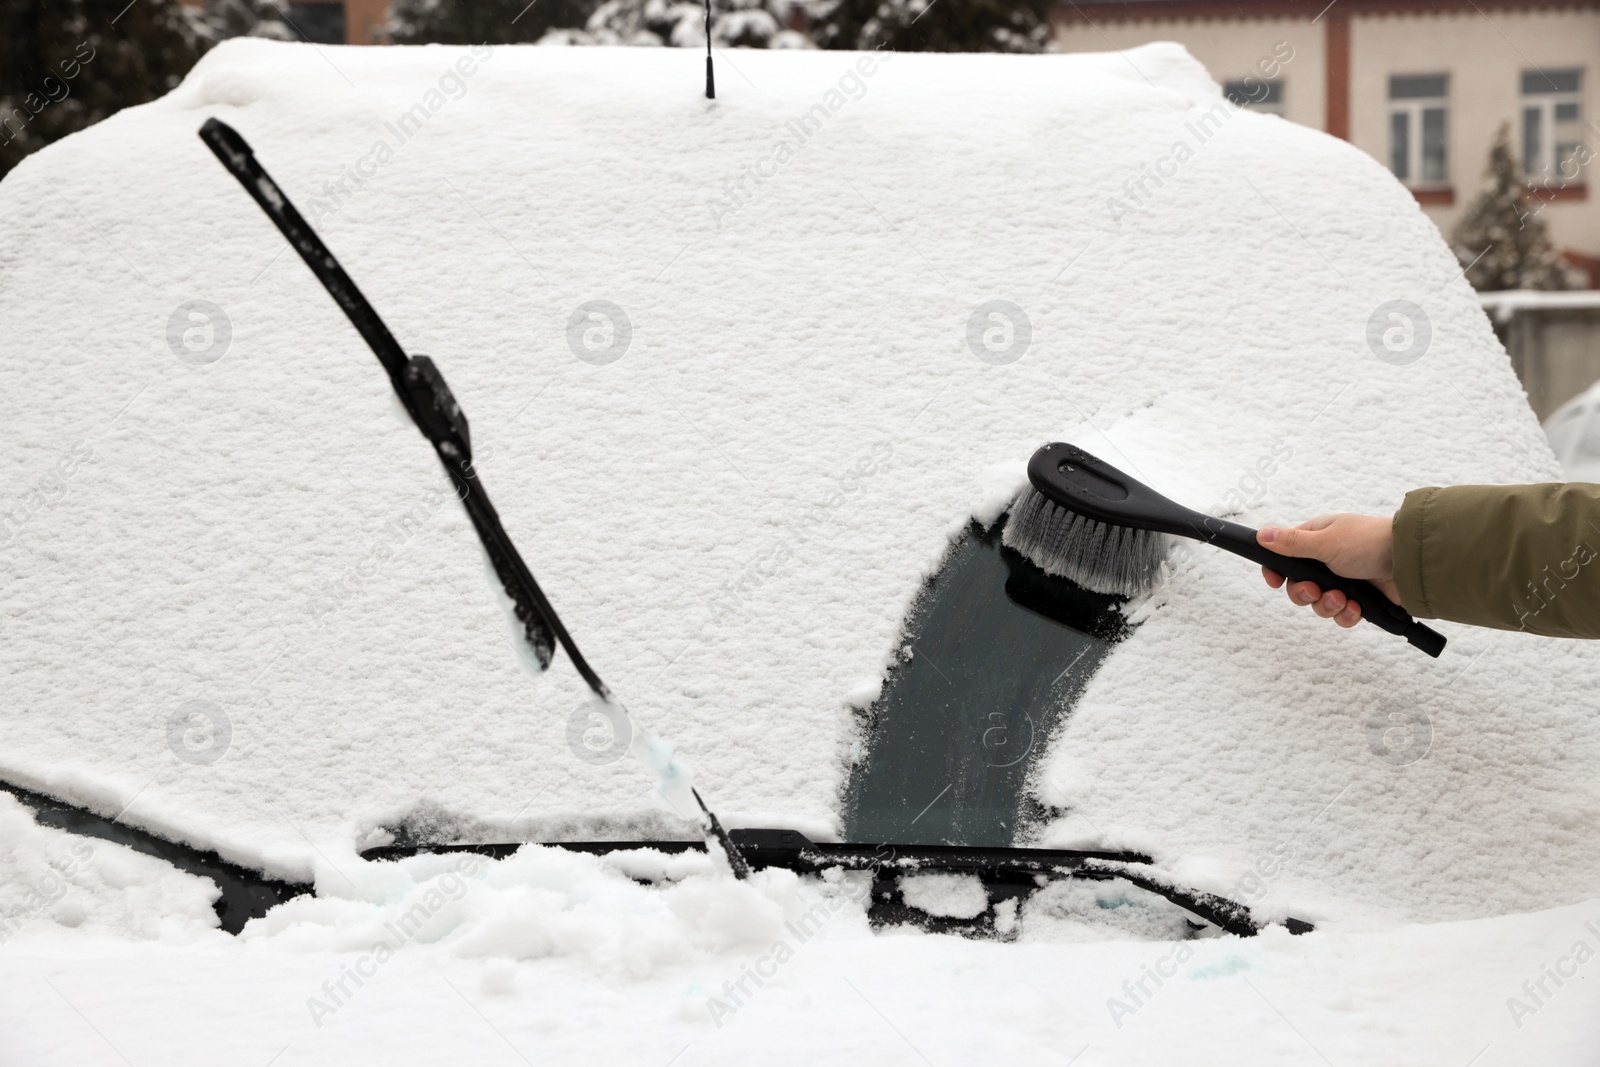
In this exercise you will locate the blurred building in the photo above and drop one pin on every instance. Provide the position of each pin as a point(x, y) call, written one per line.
point(1422, 85)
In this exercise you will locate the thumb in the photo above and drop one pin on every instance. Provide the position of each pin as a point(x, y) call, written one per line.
point(1290, 541)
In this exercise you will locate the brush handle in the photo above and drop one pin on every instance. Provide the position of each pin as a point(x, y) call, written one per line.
point(1074, 480)
point(1376, 608)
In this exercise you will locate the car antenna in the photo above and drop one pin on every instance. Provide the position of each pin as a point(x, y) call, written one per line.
point(711, 81)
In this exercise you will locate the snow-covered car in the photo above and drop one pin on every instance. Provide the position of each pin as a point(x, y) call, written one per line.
point(751, 382)
point(1574, 433)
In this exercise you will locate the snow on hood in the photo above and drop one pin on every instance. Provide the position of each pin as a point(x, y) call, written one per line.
point(240, 602)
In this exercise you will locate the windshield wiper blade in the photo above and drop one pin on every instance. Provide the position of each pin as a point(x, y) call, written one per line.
point(421, 387)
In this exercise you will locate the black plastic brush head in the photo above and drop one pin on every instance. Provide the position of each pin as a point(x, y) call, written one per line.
point(1068, 525)
point(1106, 558)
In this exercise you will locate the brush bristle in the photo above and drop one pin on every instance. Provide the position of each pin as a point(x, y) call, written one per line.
point(1118, 560)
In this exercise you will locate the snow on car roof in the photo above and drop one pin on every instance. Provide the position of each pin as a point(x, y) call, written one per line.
point(737, 374)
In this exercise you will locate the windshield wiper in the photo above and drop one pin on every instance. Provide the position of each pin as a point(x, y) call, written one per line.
point(421, 387)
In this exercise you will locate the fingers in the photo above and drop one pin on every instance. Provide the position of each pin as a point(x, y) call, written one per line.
point(1304, 593)
point(1302, 540)
point(1316, 540)
point(1330, 605)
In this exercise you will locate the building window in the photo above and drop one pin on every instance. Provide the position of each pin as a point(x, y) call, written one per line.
point(1552, 124)
point(319, 23)
point(1418, 133)
point(1258, 94)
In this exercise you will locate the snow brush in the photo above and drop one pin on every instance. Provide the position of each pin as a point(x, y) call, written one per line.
point(422, 391)
point(1092, 524)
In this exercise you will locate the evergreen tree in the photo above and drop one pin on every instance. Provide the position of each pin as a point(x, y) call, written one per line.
point(931, 25)
point(244, 18)
point(65, 64)
point(483, 21)
point(1501, 234)
point(681, 23)
point(902, 25)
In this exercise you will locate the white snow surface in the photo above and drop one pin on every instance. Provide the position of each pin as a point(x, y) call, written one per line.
point(251, 559)
point(49, 878)
point(673, 980)
point(960, 896)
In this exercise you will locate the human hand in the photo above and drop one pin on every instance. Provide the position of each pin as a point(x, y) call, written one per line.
point(1354, 546)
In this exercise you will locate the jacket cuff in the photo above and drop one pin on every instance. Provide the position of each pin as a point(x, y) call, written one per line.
point(1410, 529)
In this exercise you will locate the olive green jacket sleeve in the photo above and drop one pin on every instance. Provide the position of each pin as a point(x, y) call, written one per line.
point(1514, 557)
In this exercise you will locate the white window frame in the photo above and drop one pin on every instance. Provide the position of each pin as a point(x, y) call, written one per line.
point(1413, 108)
point(1549, 166)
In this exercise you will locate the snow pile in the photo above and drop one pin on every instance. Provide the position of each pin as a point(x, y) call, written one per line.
point(50, 877)
point(958, 896)
point(737, 372)
point(546, 902)
point(1101, 911)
